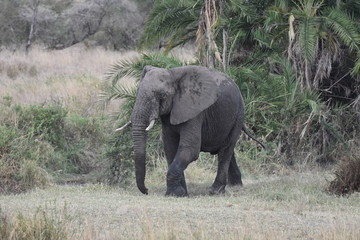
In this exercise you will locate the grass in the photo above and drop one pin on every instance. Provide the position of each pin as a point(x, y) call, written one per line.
point(72, 77)
point(286, 207)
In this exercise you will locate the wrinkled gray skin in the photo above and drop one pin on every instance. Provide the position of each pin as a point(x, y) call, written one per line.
point(200, 110)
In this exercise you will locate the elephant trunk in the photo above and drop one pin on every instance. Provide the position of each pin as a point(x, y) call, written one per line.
point(139, 139)
point(146, 109)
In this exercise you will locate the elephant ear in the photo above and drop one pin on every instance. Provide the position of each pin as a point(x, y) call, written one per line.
point(196, 92)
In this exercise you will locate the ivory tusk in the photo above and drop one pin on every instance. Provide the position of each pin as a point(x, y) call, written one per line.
point(123, 127)
point(150, 125)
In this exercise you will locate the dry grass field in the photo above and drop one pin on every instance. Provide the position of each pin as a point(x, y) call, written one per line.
point(291, 205)
point(71, 77)
point(279, 207)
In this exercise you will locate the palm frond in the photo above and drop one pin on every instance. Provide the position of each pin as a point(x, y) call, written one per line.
point(356, 68)
point(128, 95)
point(168, 18)
point(353, 7)
point(124, 68)
point(133, 67)
point(308, 38)
point(161, 60)
point(233, 41)
point(263, 39)
point(180, 37)
point(124, 93)
point(344, 27)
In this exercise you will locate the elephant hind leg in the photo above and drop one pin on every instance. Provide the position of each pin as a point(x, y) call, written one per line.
point(234, 174)
point(224, 159)
point(227, 167)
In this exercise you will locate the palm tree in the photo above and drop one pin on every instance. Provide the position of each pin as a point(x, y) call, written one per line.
point(215, 26)
point(319, 35)
point(172, 21)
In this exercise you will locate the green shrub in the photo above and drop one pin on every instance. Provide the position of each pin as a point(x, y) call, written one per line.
point(22, 159)
point(38, 140)
point(84, 142)
point(119, 154)
point(7, 135)
point(21, 176)
point(22, 162)
point(44, 120)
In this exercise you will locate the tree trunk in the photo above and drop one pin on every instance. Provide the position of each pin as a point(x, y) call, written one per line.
point(207, 47)
point(32, 25)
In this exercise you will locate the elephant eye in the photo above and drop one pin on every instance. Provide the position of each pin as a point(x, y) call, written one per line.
point(162, 96)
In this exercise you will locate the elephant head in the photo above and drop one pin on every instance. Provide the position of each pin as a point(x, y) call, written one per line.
point(181, 92)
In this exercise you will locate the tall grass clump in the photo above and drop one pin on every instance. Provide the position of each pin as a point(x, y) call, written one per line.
point(40, 226)
point(347, 175)
point(38, 143)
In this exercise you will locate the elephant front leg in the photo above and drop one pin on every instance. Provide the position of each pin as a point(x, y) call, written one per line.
point(187, 150)
point(175, 179)
point(171, 143)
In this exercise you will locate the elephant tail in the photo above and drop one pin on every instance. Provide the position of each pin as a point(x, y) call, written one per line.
point(253, 138)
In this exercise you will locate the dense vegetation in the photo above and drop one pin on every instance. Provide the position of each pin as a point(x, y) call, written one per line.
point(39, 143)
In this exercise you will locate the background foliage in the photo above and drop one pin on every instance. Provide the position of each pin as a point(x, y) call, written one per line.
point(114, 24)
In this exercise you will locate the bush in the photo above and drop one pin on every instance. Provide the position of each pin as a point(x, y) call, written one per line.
point(17, 174)
point(7, 135)
point(84, 142)
point(119, 155)
point(38, 140)
point(20, 161)
point(46, 121)
point(347, 176)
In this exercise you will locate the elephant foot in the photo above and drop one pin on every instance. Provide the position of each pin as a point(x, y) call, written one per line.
point(177, 192)
point(217, 190)
point(235, 182)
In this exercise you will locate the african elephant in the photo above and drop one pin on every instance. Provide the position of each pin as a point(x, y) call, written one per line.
point(200, 110)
